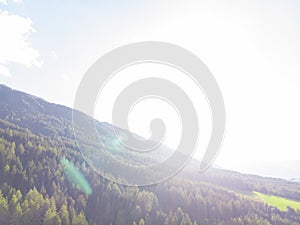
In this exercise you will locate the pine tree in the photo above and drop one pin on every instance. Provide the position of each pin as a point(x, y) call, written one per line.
point(51, 217)
point(64, 215)
point(79, 219)
point(3, 209)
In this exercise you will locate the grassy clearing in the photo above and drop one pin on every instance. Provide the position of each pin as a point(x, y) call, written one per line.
point(278, 202)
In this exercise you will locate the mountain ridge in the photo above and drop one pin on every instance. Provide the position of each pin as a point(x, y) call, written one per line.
point(34, 188)
point(61, 111)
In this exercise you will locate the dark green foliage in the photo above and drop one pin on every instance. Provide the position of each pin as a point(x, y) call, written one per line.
point(35, 135)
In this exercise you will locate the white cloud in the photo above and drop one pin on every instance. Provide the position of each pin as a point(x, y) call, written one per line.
point(18, 1)
point(15, 46)
point(53, 55)
point(65, 77)
point(15, 1)
point(4, 71)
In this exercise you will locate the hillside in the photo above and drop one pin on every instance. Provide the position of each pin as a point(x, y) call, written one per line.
point(45, 180)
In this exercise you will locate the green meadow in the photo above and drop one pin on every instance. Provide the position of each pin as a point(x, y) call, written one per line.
point(278, 202)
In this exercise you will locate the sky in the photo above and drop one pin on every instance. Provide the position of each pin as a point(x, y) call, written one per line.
point(251, 47)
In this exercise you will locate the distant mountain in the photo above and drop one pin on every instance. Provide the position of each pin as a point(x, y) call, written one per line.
point(295, 179)
point(286, 169)
point(52, 120)
point(44, 179)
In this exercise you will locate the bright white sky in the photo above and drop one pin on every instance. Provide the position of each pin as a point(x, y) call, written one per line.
point(251, 47)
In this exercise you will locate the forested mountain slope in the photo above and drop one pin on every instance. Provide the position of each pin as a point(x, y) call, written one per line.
point(34, 187)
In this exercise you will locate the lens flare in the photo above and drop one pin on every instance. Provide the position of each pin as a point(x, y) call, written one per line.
point(75, 177)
